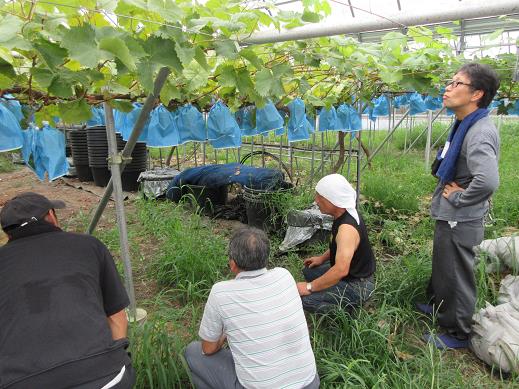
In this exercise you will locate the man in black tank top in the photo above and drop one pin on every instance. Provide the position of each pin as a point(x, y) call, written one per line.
point(344, 275)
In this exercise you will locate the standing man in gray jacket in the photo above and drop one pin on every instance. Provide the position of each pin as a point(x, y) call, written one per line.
point(467, 169)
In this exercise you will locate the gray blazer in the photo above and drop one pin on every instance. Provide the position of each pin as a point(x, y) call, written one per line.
point(476, 172)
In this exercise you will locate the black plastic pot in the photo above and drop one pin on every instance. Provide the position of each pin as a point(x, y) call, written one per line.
point(263, 208)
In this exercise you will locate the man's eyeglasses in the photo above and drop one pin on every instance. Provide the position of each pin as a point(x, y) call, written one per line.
point(455, 84)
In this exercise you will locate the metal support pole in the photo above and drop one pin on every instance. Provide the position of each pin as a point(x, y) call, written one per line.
point(428, 141)
point(423, 131)
point(116, 161)
point(385, 139)
point(128, 149)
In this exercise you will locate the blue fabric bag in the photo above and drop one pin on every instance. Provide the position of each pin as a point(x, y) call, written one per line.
point(328, 119)
point(369, 111)
point(125, 121)
point(47, 152)
point(381, 106)
point(268, 119)
point(433, 103)
point(98, 117)
point(515, 109)
point(401, 101)
point(13, 105)
point(285, 117)
point(28, 144)
point(298, 125)
point(222, 129)
point(162, 130)
point(244, 119)
point(11, 137)
point(348, 118)
point(416, 104)
point(191, 124)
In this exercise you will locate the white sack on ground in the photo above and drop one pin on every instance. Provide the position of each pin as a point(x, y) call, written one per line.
point(509, 290)
point(495, 336)
point(501, 252)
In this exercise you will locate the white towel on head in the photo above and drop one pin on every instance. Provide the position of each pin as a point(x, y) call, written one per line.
point(338, 191)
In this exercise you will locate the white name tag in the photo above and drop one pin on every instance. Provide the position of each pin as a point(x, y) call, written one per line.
point(445, 149)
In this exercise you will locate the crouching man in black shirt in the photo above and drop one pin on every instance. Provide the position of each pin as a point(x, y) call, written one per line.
point(62, 318)
point(342, 277)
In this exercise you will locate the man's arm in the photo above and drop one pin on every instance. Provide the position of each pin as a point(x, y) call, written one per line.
point(483, 166)
point(348, 240)
point(118, 324)
point(209, 348)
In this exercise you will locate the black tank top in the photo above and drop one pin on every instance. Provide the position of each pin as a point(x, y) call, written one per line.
point(363, 262)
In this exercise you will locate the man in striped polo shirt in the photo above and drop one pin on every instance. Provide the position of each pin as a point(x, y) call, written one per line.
point(260, 315)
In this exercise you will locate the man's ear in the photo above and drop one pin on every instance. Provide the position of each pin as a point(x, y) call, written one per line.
point(51, 218)
point(233, 266)
point(478, 94)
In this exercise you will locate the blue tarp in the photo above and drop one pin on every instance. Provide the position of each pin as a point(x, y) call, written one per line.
point(328, 119)
point(214, 176)
point(268, 119)
point(298, 125)
point(190, 124)
point(162, 130)
point(401, 101)
point(222, 129)
point(11, 136)
point(348, 119)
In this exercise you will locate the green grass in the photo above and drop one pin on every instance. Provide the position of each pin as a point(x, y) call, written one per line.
point(6, 164)
point(380, 347)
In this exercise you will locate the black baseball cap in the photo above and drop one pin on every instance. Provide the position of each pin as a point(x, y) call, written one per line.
point(26, 207)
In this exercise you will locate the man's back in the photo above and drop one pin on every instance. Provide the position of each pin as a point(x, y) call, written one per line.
point(56, 292)
point(262, 316)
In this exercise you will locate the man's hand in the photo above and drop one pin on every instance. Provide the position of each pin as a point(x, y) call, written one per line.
point(301, 288)
point(450, 188)
point(313, 262)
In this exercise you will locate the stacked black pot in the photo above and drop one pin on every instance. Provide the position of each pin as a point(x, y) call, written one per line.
point(98, 153)
point(98, 159)
point(79, 149)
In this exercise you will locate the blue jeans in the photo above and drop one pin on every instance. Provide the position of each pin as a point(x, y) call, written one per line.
point(344, 295)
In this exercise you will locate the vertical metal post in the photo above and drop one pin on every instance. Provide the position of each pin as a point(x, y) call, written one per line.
point(322, 153)
point(280, 151)
point(115, 165)
point(428, 141)
point(128, 149)
point(358, 167)
point(262, 151)
point(178, 159)
point(251, 149)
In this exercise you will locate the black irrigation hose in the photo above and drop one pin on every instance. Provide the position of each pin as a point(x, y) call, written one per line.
point(285, 167)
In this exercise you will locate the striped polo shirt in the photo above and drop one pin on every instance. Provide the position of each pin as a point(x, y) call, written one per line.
point(261, 313)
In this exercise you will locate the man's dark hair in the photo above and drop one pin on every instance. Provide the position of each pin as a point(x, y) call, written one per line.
point(249, 248)
point(482, 77)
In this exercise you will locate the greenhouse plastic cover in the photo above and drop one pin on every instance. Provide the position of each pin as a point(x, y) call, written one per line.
point(222, 129)
point(213, 176)
point(162, 130)
point(190, 124)
point(299, 127)
point(11, 137)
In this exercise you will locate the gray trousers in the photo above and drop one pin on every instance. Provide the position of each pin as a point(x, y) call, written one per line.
point(217, 371)
point(345, 295)
point(453, 284)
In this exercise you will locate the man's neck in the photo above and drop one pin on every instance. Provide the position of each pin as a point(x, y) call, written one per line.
point(338, 213)
point(462, 112)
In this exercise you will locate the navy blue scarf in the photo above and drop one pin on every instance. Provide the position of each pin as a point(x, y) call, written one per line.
point(447, 169)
